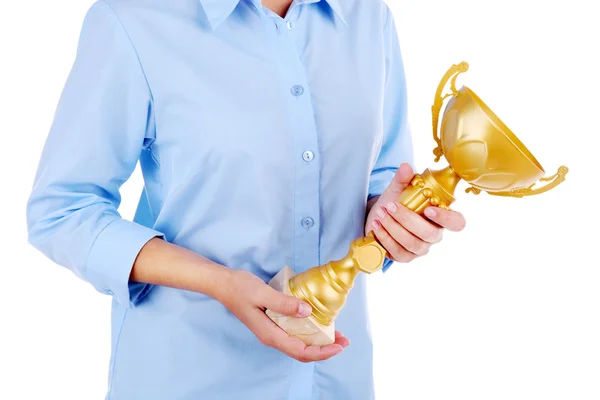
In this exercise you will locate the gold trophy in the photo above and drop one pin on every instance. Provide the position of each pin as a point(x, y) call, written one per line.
point(480, 149)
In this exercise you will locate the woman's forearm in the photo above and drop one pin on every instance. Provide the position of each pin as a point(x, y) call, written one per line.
point(165, 264)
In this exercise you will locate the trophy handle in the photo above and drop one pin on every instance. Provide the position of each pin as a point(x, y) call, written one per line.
point(438, 102)
point(553, 180)
point(473, 190)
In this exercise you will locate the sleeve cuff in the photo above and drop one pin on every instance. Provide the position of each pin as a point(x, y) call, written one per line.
point(380, 181)
point(387, 264)
point(112, 257)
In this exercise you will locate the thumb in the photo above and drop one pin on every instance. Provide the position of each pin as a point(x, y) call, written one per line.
point(401, 180)
point(285, 304)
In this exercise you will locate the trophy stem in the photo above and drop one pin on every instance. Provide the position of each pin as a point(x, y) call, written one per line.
point(431, 188)
point(326, 287)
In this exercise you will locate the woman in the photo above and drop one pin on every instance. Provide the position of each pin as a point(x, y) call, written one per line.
point(267, 133)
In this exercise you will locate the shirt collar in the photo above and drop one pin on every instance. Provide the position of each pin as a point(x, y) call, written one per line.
point(337, 8)
point(218, 11)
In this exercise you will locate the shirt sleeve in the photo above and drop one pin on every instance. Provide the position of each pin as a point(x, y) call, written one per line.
point(397, 146)
point(99, 130)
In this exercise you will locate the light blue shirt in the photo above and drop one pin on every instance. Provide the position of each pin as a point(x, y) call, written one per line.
point(260, 139)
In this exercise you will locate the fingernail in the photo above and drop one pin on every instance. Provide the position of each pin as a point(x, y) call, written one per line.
point(380, 213)
point(304, 310)
point(429, 212)
point(376, 224)
point(392, 207)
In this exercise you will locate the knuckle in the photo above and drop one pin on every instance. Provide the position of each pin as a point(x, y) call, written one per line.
point(418, 246)
point(401, 258)
point(411, 244)
point(389, 242)
point(405, 257)
point(432, 235)
point(385, 220)
point(402, 216)
point(383, 236)
point(392, 247)
point(399, 254)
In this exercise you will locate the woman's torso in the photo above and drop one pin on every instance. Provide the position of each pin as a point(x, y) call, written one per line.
point(265, 135)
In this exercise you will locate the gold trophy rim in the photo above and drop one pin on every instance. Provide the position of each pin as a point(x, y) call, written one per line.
point(503, 129)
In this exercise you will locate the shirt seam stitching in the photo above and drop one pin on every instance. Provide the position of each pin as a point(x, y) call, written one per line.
point(114, 358)
point(387, 18)
point(141, 65)
point(386, 27)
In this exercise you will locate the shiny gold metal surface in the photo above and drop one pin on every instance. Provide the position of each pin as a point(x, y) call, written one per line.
point(480, 149)
point(325, 288)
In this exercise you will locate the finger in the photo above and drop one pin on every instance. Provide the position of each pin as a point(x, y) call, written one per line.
point(341, 339)
point(451, 220)
point(273, 336)
point(395, 250)
point(320, 353)
point(401, 179)
point(414, 223)
point(284, 304)
point(401, 235)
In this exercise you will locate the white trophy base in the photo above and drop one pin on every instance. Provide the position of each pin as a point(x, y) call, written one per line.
point(308, 330)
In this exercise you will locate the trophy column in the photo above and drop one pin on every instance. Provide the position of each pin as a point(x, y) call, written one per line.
point(431, 188)
point(325, 288)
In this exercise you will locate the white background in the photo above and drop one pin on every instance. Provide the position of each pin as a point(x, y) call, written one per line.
point(507, 309)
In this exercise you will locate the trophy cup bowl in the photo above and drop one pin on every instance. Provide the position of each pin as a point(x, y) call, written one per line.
point(480, 149)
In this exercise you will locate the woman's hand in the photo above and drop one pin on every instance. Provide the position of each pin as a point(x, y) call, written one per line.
point(247, 297)
point(244, 294)
point(405, 234)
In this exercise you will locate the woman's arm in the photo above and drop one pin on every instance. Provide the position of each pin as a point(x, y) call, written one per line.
point(404, 234)
point(165, 264)
point(102, 124)
point(245, 295)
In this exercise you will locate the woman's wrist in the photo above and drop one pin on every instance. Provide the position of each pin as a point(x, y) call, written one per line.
point(165, 264)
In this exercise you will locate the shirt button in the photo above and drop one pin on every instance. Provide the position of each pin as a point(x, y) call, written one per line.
point(290, 25)
point(297, 90)
point(308, 222)
point(308, 156)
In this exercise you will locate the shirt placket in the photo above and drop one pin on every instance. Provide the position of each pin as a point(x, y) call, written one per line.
point(305, 154)
point(306, 160)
